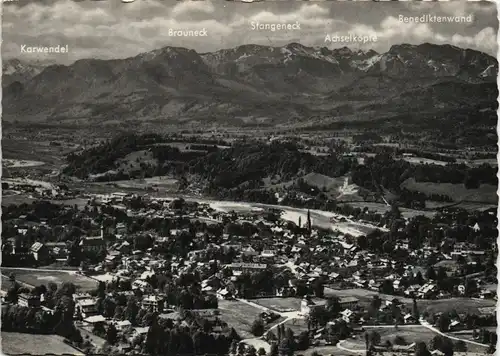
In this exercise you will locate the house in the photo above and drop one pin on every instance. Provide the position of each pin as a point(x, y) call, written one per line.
point(80, 296)
point(94, 320)
point(144, 286)
point(409, 319)
point(346, 315)
point(121, 229)
point(239, 268)
point(250, 252)
point(122, 325)
point(28, 300)
point(307, 305)
point(154, 303)
point(40, 252)
point(124, 248)
point(94, 245)
point(455, 324)
point(224, 294)
point(87, 307)
point(267, 256)
point(57, 249)
point(348, 302)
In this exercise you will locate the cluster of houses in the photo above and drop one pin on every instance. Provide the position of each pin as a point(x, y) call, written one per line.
point(303, 259)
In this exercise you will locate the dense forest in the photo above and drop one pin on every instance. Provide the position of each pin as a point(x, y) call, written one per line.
point(238, 171)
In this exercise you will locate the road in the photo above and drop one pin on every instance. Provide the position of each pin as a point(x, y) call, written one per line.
point(357, 351)
point(430, 327)
point(7, 269)
point(423, 324)
point(259, 342)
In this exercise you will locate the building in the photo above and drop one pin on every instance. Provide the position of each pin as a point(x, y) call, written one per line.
point(144, 286)
point(224, 294)
point(57, 249)
point(267, 256)
point(94, 320)
point(307, 305)
point(239, 268)
point(28, 300)
point(123, 325)
point(348, 302)
point(121, 229)
point(87, 307)
point(40, 252)
point(154, 303)
point(95, 244)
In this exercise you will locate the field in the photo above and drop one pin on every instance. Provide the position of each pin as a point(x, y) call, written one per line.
point(365, 296)
point(296, 325)
point(410, 334)
point(486, 193)
point(163, 183)
point(18, 343)
point(36, 277)
point(134, 160)
point(461, 305)
point(383, 208)
point(323, 350)
point(339, 188)
point(280, 304)
point(239, 315)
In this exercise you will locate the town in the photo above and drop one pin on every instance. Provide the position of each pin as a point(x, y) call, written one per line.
point(124, 272)
point(243, 178)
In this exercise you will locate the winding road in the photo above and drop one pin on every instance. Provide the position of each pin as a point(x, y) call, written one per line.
point(423, 324)
point(259, 342)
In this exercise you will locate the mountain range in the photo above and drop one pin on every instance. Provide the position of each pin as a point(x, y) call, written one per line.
point(293, 85)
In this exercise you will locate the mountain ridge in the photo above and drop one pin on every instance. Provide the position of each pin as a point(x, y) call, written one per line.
point(249, 84)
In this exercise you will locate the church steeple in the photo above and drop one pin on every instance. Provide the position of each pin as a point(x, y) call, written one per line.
point(309, 226)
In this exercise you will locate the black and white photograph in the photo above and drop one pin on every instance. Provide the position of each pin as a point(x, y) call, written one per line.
point(243, 178)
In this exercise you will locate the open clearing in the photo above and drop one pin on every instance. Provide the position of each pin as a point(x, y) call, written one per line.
point(486, 193)
point(16, 163)
point(281, 305)
point(239, 315)
point(410, 335)
point(383, 208)
point(340, 188)
point(36, 277)
point(296, 325)
point(461, 305)
point(19, 343)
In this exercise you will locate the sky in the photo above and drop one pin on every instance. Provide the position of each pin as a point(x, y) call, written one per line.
point(109, 29)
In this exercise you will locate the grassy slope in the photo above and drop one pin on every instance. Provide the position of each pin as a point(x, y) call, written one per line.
point(486, 193)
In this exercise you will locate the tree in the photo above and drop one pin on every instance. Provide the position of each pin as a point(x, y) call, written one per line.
point(131, 310)
point(286, 347)
point(374, 338)
point(416, 313)
point(387, 287)
point(258, 327)
point(251, 351)
point(233, 349)
point(303, 341)
point(421, 349)
point(274, 350)
point(333, 307)
point(444, 322)
point(376, 302)
point(112, 334)
point(319, 289)
point(460, 346)
point(431, 273)
point(399, 340)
